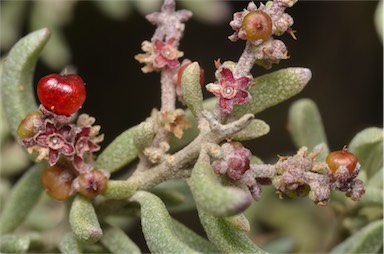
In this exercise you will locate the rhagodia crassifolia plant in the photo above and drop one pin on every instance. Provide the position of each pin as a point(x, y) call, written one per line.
point(180, 158)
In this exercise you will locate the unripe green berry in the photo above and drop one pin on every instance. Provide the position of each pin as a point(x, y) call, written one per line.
point(27, 127)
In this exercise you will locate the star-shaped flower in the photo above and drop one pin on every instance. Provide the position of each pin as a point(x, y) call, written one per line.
point(57, 140)
point(166, 54)
point(230, 90)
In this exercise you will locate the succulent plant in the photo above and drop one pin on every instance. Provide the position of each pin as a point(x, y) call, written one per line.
point(191, 158)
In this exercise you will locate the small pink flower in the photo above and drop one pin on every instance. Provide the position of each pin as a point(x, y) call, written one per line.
point(230, 91)
point(166, 54)
point(56, 140)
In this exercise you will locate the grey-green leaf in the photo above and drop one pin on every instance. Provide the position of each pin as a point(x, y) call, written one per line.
point(157, 225)
point(192, 239)
point(305, 124)
point(273, 88)
point(16, 82)
point(120, 189)
point(213, 197)
point(144, 134)
point(118, 242)
point(14, 243)
point(255, 129)
point(69, 245)
point(367, 145)
point(119, 153)
point(225, 237)
point(24, 196)
point(368, 240)
point(83, 220)
point(190, 84)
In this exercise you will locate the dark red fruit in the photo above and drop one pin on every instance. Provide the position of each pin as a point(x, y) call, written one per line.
point(63, 95)
point(57, 182)
point(257, 25)
point(342, 158)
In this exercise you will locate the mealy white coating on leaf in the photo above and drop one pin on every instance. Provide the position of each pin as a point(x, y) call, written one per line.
point(273, 88)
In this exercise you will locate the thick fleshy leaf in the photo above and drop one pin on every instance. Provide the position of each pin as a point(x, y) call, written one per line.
point(116, 241)
point(115, 9)
point(14, 243)
point(120, 189)
point(190, 84)
point(239, 222)
point(157, 226)
point(255, 129)
point(83, 220)
point(192, 239)
point(175, 190)
point(372, 197)
point(367, 145)
point(271, 89)
point(368, 240)
point(69, 244)
point(213, 197)
point(144, 134)
point(119, 153)
point(24, 196)
point(305, 124)
point(225, 237)
point(16, 85)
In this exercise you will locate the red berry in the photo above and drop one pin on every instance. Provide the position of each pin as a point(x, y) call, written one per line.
point(63, 95)
point(342, 158)
point(57, 182)
point(181, 71)
point(28, 127)
point(257, 25)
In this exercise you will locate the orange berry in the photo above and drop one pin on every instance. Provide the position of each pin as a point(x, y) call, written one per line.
point(57, 182)
point(257, 25)
point(341, 158)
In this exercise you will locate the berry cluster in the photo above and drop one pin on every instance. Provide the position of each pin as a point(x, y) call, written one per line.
point(67, 147)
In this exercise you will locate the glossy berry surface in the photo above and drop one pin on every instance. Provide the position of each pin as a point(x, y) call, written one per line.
point(57, 182)
point(61, 94)
point(341, 158)
point(257, 25)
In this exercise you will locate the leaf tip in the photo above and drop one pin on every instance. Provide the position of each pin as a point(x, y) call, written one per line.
point(304, 76)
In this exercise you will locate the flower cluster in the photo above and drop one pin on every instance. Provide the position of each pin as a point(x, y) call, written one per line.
point(294, 176)
point(69, 148)
point(296, 173)
point(162, 51)
point(234, 162)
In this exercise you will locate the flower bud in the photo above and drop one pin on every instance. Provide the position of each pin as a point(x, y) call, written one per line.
point(91, 184)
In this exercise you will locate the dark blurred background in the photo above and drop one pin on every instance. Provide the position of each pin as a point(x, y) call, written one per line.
point(337, 40)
